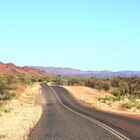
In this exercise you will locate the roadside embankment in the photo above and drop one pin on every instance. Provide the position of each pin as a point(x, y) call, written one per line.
point(102, 100)
point(20, 115)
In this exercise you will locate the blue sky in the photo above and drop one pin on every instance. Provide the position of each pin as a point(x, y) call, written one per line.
point(83, 34)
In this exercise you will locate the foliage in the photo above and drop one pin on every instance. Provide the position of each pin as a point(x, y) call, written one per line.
point(111, 98)
point(117, 92)
point(131, 104)
point(118, 86)
point(8, 83)
point(25, 80)
point(76, 82)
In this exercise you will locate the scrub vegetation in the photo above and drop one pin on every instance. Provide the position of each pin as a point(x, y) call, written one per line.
point(17, 105)
point(120, 88)
point(10, 83)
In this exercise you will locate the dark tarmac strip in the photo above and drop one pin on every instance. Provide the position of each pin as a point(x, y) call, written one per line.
point(64, 118)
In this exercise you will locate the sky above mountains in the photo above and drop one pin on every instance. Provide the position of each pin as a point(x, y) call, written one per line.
point(83, 34)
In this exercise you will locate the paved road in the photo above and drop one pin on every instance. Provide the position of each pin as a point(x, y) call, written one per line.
point(64, 118)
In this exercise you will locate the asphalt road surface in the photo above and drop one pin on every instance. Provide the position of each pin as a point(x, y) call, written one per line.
point(64, 118)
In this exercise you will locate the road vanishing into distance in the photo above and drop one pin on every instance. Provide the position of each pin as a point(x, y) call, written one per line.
point(64, 118)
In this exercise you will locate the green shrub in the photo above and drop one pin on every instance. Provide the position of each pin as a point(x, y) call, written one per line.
point(75, 82)
point(8, 84)
point(117, 92)
point(136, 94)
point(111, 98)
point(7, 110)
point(138, 106)
point(7, 95)
point(131, 104)
point(25, 80)
point(128, 105)
point(106, 85)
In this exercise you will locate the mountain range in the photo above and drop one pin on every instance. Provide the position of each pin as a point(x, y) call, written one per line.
point(64, 72)
point(69, 72)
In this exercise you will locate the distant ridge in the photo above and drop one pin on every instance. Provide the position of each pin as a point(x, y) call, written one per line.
point(69, 72)
point(27, 71)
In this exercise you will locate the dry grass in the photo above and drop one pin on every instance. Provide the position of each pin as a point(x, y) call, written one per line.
point(19, 116)
point(85, 93)
point(91, 97)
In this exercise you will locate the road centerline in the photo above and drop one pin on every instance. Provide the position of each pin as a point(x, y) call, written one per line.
point(109, 129)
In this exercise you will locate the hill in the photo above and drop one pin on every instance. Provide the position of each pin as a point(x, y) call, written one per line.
point(69, 72)
point(27, 71)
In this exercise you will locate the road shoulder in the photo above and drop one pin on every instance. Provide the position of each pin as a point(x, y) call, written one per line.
point(20, 115)
point(88, 97)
